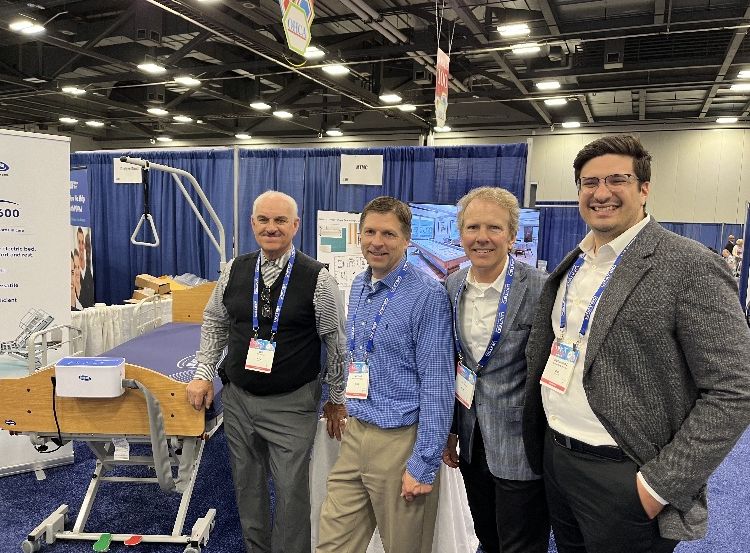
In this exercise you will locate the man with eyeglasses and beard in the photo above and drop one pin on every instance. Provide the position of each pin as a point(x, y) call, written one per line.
point(273, 308)
point(656, 391)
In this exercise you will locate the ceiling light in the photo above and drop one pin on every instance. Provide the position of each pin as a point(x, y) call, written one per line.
point(20, 25)
point(283, 114)
point(740, 87)
point(525, 49)
point(187, 80)
point(260, 105)
point(548, 85)
point(94, 123)
point(164, 138)
point(407, 107)
point(157, 111)
point(243, 136)
point(334, 132)
point(515, 29)
point(744, 74)
point(183, 119)
point(336, 69)
point(74, 90)
point(726, 120)
point(390, 98)
point(152, 68)
point(35, 29)
point(444, 128)
point(314, 53)
point(68, 120)
point(571, 124)
point(556, 101)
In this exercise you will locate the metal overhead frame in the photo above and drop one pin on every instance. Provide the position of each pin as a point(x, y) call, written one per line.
point(213, 19)
point(472, 23)
point(734, 46)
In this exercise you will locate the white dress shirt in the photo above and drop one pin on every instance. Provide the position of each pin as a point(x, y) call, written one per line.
point(570, 413)
point(477, 312)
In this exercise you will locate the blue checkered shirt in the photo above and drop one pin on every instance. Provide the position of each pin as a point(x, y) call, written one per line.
point(411, 366)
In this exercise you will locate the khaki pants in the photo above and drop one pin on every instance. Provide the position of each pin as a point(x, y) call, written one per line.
point(364, 490)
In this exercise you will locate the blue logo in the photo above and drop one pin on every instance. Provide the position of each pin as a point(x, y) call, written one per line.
point(4, 167)
point(84, 378)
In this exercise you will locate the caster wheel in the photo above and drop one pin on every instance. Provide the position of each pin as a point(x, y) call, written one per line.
point(30, 546)
point(191, 549)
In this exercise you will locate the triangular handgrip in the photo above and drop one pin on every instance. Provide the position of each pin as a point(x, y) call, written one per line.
point(150, 219)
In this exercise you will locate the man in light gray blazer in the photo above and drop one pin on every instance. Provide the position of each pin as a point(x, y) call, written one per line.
point(493, 305)
point(638, 369)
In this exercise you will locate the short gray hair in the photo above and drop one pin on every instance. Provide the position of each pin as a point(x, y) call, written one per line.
point(274, 194)
point(500, 196)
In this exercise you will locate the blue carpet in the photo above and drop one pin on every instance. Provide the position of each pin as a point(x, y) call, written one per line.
point(25, 502)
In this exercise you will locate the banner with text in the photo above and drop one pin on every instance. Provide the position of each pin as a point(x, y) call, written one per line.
point(441, 88)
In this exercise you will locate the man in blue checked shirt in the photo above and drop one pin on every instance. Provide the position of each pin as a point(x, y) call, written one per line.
point(400, 390)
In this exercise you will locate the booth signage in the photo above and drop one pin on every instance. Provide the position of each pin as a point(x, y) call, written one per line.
point(297, 28)
point(126, 173)
point(356, 169)
point(441, 87)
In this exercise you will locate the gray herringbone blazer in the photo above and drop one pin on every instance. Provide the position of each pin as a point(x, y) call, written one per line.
point(666, 370)
point(499, 394)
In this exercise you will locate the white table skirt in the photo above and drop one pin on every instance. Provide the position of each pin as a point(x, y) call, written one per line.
point(454, 529)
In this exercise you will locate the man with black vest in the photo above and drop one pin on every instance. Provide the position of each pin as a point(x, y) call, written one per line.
point(273, 308)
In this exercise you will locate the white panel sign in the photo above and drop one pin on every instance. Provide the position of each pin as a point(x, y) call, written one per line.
point(126, 173)
point(362, 170)
point(35, 263)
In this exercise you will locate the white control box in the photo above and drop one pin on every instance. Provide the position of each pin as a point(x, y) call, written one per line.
point(90, 376)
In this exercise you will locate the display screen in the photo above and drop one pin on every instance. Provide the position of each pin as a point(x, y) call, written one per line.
point(435, 245)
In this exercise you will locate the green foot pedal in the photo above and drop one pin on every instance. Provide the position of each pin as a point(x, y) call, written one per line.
point(102, 544)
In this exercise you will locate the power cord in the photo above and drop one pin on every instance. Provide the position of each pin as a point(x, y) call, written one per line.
point(42, 448)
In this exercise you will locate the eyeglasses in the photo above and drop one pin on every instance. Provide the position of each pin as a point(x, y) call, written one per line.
point(612, 182)
point(265, 306)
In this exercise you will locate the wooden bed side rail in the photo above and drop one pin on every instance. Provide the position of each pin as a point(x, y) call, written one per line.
point(188, 305)
point(26, 406)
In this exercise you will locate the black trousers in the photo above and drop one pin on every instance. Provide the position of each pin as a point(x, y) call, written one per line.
point(510, 516)
point(594, 505)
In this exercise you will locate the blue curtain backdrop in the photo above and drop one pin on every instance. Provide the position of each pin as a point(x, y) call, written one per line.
point(711, 235)
point(412, 174)
point(560, 230)
point(116, 209)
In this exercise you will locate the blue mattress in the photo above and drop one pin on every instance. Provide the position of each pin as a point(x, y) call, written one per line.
point(170, 350)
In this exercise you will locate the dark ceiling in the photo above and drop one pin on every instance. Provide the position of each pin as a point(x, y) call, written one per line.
point(624, 62)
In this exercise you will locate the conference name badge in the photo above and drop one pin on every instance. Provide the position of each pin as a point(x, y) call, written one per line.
point(358, 381)
point(466, 381)
point(260, 355)
point(559, 369)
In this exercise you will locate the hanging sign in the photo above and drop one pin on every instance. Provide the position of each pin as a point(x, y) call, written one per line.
point(297, 21)
point(441, 87)
point(357, 169)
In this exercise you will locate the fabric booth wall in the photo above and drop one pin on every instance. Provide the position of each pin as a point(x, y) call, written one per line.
point(412, 174)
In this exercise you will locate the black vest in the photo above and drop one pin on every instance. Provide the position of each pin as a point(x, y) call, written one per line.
point(297, 358)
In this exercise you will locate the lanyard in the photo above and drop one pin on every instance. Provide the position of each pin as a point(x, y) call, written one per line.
point(282, 294)
point(378, 315)
point(597, 295)
point(502, 309)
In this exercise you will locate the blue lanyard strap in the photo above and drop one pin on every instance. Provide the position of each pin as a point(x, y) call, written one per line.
point(502, 309)
point(592, 304)
point(378, 316)
point(282, 294)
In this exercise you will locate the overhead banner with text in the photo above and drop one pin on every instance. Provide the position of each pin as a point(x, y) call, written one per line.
point(441, 87)
point(297, 17)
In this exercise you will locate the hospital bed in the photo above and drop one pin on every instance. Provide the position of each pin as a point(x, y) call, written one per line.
point(152, 410)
